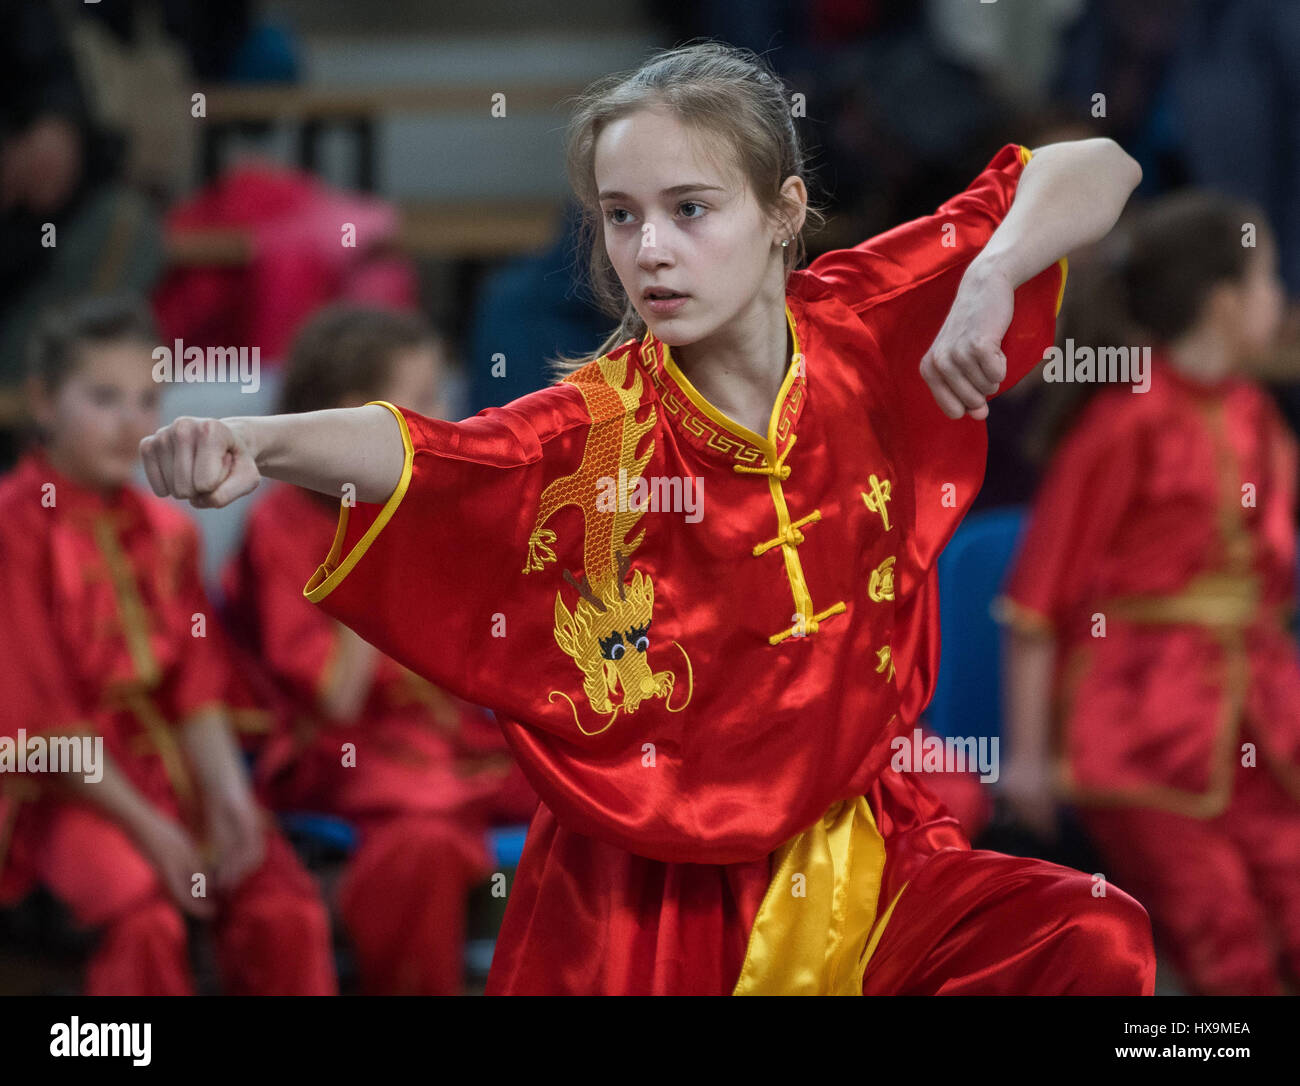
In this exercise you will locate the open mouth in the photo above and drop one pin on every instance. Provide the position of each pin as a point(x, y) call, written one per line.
point(657, 294)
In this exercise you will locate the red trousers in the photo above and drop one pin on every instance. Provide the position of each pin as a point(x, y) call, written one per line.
point(1223, 893)
point(981, 923)
point(585, 917)
point(423, 845)
point(403, 903)
point(272, 934)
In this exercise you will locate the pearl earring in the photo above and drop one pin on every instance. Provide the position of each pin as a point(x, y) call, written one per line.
point(785, 243)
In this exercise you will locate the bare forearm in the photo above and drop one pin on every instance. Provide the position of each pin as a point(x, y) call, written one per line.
point(326, 450)
point(352, 677)
point(1028, 665)
point(214, 754)
point(212, 462)
point(113, 794)
point(1069, 195)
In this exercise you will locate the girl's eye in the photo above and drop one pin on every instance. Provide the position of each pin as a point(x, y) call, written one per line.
point(609, 215)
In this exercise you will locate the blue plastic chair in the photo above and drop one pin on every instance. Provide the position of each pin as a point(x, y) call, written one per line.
point(329, 833)
point(967, 698)
point(338, 834)
point(507, 844)
point(322, 830)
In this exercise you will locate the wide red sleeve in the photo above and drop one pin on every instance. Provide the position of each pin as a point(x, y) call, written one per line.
point(437, 576)
point(1079, 509)
point(912, 272)
point(901, 285)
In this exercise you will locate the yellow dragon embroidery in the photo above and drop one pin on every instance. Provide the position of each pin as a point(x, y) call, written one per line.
point(607, 633)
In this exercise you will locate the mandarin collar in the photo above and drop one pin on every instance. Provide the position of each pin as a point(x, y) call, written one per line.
point(707, 428)
point(74, 499)
point(1213, 389)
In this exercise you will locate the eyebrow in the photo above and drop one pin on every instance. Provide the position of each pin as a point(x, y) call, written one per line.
point(675, 190)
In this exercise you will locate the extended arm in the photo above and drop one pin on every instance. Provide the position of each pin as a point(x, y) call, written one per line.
point(211, 462)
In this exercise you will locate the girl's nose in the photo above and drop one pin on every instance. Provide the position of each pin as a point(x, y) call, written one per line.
point(651, 255)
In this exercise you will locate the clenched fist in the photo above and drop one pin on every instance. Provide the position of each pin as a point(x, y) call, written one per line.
point(965, 364)
point(206, 461)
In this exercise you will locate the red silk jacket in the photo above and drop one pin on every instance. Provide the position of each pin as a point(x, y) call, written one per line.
point(699, 690)
point(108, 630)
point(1170, 513)
point(419, 748)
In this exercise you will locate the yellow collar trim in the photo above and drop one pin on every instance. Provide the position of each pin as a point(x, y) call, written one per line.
point(768, 445)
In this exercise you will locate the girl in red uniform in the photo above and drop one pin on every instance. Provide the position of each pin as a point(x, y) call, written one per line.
point(110, 636)
point(420, 772)
point(695, 578)
point(1149, 609)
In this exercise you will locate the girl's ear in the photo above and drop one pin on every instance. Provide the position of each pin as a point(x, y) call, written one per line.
point(39, 401)
point(794, 197)
point(1223, 305)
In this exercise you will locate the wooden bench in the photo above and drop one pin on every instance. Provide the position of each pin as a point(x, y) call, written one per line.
point(313, 109)
point(477, 230)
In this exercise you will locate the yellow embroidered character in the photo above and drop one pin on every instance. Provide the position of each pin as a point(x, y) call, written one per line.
point(875, 501)
point(885, 656)
point(881, 585)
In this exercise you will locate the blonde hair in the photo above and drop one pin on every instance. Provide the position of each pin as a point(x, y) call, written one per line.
point(724, 90)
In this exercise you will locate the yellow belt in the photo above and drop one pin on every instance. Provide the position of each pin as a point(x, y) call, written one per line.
point(1212, 599)
point(816, 928)
point(160, 735)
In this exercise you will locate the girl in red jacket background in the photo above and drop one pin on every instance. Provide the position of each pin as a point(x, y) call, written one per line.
point(420, 772)
point(111, 635)
point(1153, 678)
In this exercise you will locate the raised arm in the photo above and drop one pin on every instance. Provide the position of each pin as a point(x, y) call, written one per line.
point(1069, 195)
point(211, 462)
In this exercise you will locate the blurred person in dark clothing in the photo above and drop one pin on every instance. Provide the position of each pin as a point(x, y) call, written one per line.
point(1125, 51)
point(66, 225)
point(528, 310)
point(1238, 92)
point(1238, 87)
